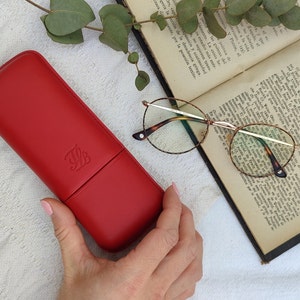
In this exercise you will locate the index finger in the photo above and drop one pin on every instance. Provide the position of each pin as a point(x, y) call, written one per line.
point(159, 241)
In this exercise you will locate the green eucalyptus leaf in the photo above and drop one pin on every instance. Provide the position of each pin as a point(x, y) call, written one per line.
point(258, 17)
point(187, 11)
point(75, 37)
point(190, 26)
point(239, 7)
point(278, 7)
point(73, 5)
point(159, 20)
point(119, 11)
point(259, 2)
point(142, 80)
point(137, 26)
point(233, 20)
point(211, 3)
point(275, 22)
point(212, 23)
point(133, 58)
point(291, 19)
point(61, 23)
point(115, 34)
point(154, 16)
point(68, 16)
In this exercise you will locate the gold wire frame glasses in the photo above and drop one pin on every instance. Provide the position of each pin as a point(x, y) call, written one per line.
point(256, 150)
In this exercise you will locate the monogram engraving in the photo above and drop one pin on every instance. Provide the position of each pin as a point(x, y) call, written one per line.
point(77, 158)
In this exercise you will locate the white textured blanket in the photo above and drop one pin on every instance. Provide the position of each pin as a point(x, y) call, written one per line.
point(30, 262)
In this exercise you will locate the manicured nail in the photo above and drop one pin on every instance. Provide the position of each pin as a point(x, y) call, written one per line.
point(175, 188)
point(47, 207)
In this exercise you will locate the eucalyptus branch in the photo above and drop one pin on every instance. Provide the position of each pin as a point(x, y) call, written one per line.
point(38, 6)
point(64, 24)
point(93, 28)
point(151, 20)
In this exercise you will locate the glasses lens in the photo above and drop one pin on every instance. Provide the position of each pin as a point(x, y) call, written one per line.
point(253, 148)
point(169, 132)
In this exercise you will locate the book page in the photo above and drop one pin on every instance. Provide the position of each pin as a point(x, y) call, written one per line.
point(268, 93)
point(194, 64)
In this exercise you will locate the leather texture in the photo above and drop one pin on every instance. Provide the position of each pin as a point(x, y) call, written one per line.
point(74, 153)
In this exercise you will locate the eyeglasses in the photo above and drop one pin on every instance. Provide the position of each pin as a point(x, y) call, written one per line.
point(256, 150)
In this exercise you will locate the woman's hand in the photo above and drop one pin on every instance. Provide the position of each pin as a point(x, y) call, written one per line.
point(166, 264)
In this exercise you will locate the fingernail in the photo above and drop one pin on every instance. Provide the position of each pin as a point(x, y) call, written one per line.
point(175, 188)
point(47, 207)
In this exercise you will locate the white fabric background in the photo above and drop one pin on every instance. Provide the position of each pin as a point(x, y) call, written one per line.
point(29, 254)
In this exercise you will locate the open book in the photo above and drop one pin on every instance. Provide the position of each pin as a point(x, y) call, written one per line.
point(253, 75)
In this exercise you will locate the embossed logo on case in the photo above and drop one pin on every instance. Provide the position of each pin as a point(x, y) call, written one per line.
point(77, 158)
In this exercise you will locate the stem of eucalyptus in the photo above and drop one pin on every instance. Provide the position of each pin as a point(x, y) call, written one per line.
point(93, 28)
point(38, 6)
point(151, 21)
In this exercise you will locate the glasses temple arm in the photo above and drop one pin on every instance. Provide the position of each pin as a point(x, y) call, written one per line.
point(176, 111)
point(143, 134)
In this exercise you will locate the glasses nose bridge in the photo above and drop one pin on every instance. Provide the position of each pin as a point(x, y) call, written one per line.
point(223, 124)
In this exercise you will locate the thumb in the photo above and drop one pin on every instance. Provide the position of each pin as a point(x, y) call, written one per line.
point(67, 232)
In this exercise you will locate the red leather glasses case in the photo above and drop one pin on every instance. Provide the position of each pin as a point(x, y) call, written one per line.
point(73, 152)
